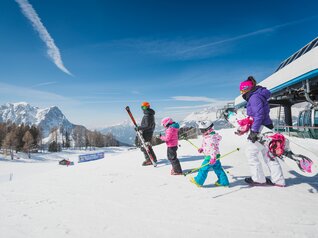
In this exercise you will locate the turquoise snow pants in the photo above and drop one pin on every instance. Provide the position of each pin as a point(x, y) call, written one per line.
point(218, 170)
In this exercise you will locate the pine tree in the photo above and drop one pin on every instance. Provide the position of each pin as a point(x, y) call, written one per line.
point(67, 140)
point(53, 147)
point(28, 142)
point(9, 142)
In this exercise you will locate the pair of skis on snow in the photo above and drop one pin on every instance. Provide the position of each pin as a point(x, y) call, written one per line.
point(145, 145)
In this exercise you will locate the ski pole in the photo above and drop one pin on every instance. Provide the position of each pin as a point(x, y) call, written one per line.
point(196, 169)
point(192, 144)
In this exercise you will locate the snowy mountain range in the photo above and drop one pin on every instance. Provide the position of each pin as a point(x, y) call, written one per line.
point(123, 132)
point(209, 113)
point(47, 118)
point(52, 117)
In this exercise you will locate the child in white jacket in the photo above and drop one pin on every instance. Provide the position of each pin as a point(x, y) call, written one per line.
point(210, 148)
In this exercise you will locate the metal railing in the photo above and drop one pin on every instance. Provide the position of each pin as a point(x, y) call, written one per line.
point(299, 131)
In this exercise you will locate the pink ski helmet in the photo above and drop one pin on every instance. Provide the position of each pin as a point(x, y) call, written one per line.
point(166, 121)
point(246, 86)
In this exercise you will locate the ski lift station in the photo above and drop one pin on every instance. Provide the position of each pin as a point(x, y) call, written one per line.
point(295, 81)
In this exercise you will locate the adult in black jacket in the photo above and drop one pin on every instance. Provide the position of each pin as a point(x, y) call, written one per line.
point(147, 127)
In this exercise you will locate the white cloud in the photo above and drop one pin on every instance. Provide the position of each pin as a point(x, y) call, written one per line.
point(52, 50)
point(243, 36)
point(43, 84)
point(167, 48)
point(195, 99)
point(189, 107)
point(135, 92)
point(30, 95)
point(209, 102)
point(193, 48)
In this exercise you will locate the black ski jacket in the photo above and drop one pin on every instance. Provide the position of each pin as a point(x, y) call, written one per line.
point(148, 124)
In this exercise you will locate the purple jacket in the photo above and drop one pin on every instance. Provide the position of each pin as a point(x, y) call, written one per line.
point(258, 107)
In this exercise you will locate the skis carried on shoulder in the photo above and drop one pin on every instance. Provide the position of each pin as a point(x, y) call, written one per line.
point(145, 145)
point(278, 145)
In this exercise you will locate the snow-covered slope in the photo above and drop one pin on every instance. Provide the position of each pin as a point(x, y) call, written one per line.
point(205, 114)
point(117, 197)
point(47, 118)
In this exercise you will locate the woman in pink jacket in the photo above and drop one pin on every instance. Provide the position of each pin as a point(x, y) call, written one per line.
point(171, 139)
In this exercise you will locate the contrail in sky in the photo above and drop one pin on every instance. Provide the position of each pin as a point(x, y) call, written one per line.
point(52, 50)
point(257, 32)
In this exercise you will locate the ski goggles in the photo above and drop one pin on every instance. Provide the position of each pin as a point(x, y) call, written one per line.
point(144, 107)
point(244, 91)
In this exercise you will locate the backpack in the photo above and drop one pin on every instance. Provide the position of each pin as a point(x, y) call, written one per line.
point(276, 146)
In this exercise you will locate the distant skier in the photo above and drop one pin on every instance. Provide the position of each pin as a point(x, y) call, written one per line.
point(210, 148)
point(258, 109)
point(147, 127)
point(171, 139)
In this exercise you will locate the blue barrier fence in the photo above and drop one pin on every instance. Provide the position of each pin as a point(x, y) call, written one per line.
point(90, 157)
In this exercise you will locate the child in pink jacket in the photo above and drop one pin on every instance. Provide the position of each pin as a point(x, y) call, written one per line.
point(171, 139)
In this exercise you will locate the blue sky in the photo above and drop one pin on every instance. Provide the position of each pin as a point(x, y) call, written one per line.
point(91, 58)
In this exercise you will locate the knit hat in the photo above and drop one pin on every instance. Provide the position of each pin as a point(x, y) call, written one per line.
point(246, 86)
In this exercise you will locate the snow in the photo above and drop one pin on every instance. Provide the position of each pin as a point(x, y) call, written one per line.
point(117, 197)
point(204, 114)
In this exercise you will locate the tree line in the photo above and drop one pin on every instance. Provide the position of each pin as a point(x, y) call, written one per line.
point(84, 138)
point(19, 138)
point(29, 139)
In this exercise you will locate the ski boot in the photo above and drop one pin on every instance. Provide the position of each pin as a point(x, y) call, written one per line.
point(175, 173)
point(192, 180)
point(146, 162)
point(270, 183)
point(250, 182)
point(217, 184)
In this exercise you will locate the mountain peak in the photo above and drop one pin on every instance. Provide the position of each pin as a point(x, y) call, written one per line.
point(23, 112)
point(16, 104)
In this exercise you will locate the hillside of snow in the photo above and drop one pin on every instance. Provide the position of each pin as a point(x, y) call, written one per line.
point(117, 197)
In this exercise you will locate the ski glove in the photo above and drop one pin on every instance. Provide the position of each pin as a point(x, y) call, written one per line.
point(138, 128)
point(212, 161)
point(270, 126)
point(253, 136)
point(200, 150)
